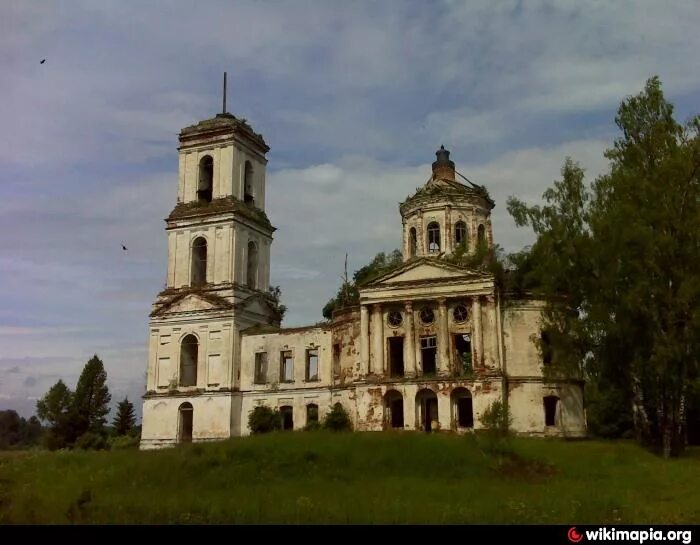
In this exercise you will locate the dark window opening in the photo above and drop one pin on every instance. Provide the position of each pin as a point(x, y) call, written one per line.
point(393, 406)
point(336, 360)
point(311, 413)
point(287, 367)
point(199, 261)
point(550, 410)
point(463, 347)
point(427, 410)
point(546, 348)
point(427, 316)
point(312, 365)
point(206, 178)
point(433, 237)
point(463, 408)
point(412, 242)
point(287, 417)
point(188, 361)
point(396, 367)
point(261, 368)
point(460, 313)
point(394, 318)
point(428, 349)
point(460, 234)
point(481, 234)
point(252, 269)
point(248, 195)
point(185, 425)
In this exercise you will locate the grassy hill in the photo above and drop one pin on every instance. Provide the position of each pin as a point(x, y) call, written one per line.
point(353, 478)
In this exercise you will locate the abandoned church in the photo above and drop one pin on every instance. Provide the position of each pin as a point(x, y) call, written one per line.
point(430, 346)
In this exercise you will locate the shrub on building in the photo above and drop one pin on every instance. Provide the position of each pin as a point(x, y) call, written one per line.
point(338, 419)
point(263, 419)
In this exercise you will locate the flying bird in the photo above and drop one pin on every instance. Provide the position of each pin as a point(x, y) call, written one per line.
point(42, 61)
point(124, 248)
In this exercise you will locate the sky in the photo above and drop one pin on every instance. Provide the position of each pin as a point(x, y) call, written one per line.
point(353, 98)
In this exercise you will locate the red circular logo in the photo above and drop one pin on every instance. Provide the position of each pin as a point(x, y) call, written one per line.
point(573, 535)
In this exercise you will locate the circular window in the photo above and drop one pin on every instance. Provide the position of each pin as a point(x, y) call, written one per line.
point(427, 316)
point(394, 318)
point(460, 313)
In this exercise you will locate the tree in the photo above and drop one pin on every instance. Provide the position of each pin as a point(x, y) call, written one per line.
point(275, 295)
point(10, 428)
point(56, 408)
point(349, 291)
point(618, 267)
point(91, 398)
point(125, 418)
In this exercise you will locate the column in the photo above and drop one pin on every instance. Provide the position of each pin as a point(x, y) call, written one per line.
point(378, 340)
point(443, 363)
point(420, 242)
point(364, 340)
point(449, 237)
point(409, 345)
point(476, 332)
point(495, 337)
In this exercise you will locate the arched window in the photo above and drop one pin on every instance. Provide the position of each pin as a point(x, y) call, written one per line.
point(550, 410)
point(206, 178)
point(412, 242)
point(434, 237)
point(252, 274)
point(460, 233)
point(184, 427)
point(248, 194)
point(199, 261)
point(188, 361)
point(311, 413)
point(287, 417)
point(481, 234)
point(393, 410)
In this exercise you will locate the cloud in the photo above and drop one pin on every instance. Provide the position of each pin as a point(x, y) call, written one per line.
point(353, 99)
point(29, 382)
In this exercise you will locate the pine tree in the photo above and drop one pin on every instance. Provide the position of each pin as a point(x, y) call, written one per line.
point(125, 418)
point(91, 398)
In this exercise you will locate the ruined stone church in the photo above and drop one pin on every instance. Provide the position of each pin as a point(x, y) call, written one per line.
point(430, 346)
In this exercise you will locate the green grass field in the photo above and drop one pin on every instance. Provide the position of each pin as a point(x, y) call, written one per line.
point(353, 478)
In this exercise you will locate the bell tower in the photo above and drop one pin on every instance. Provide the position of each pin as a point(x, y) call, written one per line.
point(218, 275)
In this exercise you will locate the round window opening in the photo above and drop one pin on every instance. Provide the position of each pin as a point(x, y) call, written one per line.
point(395, 318)
point(460, 313)
point(427, 316)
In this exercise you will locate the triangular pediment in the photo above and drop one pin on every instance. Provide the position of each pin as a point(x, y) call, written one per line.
point(425, 269)
point(192, 302)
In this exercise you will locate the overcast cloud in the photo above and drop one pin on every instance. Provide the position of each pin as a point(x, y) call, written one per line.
point(353, 98)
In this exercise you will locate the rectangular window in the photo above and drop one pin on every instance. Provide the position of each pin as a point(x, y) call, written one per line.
point(336, 360)
point(287, 367)
point(312, 364)
point(261, 368)
point(428, 349)
point(463, 347)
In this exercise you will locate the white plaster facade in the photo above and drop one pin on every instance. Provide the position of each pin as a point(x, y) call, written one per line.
point(430, 346)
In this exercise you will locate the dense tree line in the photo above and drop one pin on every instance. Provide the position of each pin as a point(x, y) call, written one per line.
point(18, 432)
